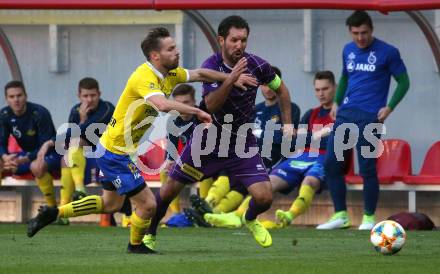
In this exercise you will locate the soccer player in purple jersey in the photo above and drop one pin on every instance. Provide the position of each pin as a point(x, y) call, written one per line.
point(232, 109)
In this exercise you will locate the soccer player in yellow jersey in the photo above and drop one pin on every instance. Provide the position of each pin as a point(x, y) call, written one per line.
point(145, 94)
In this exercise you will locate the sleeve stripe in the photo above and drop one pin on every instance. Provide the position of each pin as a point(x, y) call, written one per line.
point(153, 93)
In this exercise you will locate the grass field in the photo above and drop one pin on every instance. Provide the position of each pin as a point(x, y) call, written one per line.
point(92, 249)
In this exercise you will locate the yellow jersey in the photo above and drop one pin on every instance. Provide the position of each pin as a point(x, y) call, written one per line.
point(133, 114)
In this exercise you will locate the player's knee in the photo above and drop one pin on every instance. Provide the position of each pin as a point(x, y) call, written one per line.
point(111, 206)
point(37, 170)
point(264, 199)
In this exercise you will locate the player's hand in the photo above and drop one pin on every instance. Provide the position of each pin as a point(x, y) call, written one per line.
point(238, 69)
point(383, 114)
point(204, 117)
point(39, 163)
point(323, 132)
point(246, 80)
point(289, 130)
point(333, 111)
point(8, 157)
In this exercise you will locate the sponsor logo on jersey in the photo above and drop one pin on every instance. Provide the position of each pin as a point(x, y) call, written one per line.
point(191, 171)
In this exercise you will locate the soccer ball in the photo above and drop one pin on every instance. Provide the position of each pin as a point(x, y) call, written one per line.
point(388, 237)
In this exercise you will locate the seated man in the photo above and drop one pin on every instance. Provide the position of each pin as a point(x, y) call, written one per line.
point(304, 168)
point(76, 169)
point(32, 127)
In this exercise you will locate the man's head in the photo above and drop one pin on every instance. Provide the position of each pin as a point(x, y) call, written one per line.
point(160, 49)
point(16, 97)
point(89, 93)
point(269, 94)
point(233, 33)
point(325, 87)
point(185, 94)
point(360, 26)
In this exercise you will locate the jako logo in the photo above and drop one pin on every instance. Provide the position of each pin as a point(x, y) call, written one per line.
point(365, 67)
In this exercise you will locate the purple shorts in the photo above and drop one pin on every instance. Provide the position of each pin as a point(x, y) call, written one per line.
point(241, 171)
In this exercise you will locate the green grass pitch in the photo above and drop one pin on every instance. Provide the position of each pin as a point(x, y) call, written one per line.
point(93, 249)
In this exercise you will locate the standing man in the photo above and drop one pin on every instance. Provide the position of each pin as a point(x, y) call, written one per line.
point(145, 94)
point(32, 126)
point(361, 98)
point(235, 107)
point(269, 110)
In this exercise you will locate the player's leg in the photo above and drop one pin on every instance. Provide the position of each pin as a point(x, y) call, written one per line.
point(334, 171)
point(167, 193)
point(218, 190)
point(109, 202)
point(367, 169)
point(175, 204)
point(66, 191)
point(140, 220)
point(230, 202)
point(77, 163)
point(44, 180)
point(261, 193)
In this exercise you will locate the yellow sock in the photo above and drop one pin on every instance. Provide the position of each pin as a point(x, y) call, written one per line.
point(175, 204)
point(230, 202)
point(218, 190)
point(67, 186)
point(77, 163)
point(45, 184)
point(88, 205)
point(243, 207)
point(303, 201)
point(204, 187)
point(138, 228)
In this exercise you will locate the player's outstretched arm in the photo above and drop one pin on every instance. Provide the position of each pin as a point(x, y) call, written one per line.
point(163, 104)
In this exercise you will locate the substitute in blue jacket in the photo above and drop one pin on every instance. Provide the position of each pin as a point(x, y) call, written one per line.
point(361, 98)
point(76, 169)
point(32, 126)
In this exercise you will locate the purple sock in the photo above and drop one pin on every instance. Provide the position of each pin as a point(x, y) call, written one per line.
point(161, 210)
point(255, 209)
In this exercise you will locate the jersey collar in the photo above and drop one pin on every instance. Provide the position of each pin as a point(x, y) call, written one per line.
point(158, 73)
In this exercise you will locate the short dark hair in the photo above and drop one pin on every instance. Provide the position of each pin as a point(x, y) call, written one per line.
point(152, 41)
point(325, 75)
point(276, 70)
point(358, 18)
point(88, 83)
point(184, 89)
point(15, 84)
point(229, 22)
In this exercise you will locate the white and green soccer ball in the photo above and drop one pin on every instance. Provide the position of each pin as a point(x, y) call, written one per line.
point(388, 237)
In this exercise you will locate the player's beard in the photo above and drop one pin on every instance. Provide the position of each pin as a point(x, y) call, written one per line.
point(172, 64)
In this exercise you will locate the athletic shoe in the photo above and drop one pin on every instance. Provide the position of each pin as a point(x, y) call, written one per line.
point(139, 249)
point(227, 220)
point(368, 222)
point(149, 241)
point(45, 216)
point(78, 195)
point(62, 221)
point(261, 235)
point(199, 204)
point(195, 217)
point(284, 217)
point(338, 220)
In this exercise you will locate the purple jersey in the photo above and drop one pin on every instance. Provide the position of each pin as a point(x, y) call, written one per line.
point(240, 103)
